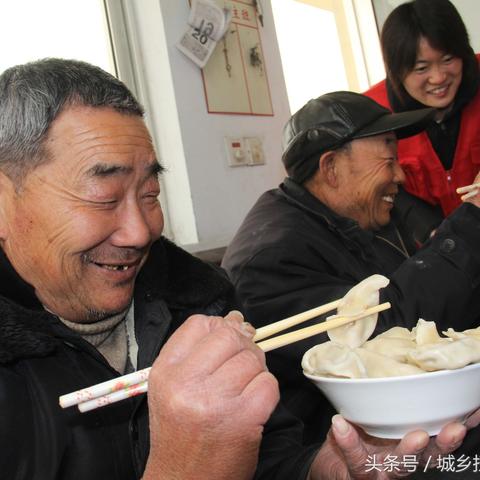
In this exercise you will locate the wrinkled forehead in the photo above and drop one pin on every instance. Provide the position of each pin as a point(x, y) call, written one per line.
point(363, 152)
point(82, 136)
point(83, 125)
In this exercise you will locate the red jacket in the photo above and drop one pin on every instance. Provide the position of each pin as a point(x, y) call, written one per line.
point(426, 177)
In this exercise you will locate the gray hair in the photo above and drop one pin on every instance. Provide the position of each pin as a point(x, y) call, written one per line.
point(33, 94)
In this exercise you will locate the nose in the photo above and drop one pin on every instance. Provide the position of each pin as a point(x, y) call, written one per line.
point(437, 75)
point(398, 174)
point(133, 227)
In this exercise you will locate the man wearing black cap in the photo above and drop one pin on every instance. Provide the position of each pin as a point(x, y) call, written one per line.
point(328, 226)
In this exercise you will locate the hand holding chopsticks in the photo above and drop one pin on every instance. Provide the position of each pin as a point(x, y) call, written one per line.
point(136, 383)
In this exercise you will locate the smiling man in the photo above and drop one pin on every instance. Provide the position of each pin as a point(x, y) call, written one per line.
point(89, 290)
point(103, 172)
point(329, 225)
point(362, 190)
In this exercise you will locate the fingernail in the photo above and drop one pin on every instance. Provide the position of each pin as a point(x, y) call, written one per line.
point(248, 329)
point(472, 422)
point(237, 312)
point(340, 425)
point(421, 442)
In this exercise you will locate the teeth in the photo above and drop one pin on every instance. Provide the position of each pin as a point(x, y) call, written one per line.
point(116, 267)
point(388, 198)
point(439, 90)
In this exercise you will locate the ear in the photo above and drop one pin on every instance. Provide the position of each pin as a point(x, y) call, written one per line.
point(328, 168)
point(7, 191)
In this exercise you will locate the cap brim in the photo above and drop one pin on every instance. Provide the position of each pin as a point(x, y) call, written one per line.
point(404, 124)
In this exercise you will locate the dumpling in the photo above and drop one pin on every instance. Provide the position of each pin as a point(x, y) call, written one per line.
point(397, 332)
point(426, 332)
point(446, 355)
point(393, 347)
point(395, 352)
point(472, 332)
point(333, 360)
point(378, 366)
point(362, 296)
point(454, 335)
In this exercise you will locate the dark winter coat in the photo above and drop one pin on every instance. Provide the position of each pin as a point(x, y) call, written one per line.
point(41, 359)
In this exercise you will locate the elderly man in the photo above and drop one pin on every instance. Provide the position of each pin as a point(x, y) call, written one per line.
point(90, 290)
point(328, 226)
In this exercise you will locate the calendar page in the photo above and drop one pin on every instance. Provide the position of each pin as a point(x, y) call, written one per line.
point(235, 78)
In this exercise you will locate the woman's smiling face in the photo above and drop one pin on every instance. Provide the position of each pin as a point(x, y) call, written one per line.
point(435, 77)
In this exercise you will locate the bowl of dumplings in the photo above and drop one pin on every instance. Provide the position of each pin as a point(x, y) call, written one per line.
point(400, 381)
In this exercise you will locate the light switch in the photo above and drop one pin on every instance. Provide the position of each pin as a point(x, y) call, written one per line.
point(236, 151)
point(255, 151)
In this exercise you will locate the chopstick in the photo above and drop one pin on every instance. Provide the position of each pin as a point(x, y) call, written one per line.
point(113, 397)
point(469, 191)
point(136, 383)
point(337, 321)
point(276, 327)
point(104, 388)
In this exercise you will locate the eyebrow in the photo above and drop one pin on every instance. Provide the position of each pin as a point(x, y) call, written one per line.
point(155, 169)
point(106, 170)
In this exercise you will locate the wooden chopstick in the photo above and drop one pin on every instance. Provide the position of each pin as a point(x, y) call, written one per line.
point(297, 335)
point(276, 327)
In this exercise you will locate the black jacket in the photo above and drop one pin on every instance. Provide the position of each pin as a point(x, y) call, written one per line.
point(41, 359)
point(292, 253)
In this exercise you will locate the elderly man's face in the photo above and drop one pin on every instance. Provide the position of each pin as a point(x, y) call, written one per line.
point(368, 178)
point(81, 226)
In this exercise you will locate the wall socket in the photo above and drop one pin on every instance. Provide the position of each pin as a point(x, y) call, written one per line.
point(236, 151)
point(244, 151)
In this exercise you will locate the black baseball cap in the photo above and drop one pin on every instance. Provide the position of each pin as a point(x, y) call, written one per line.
point(327, 122)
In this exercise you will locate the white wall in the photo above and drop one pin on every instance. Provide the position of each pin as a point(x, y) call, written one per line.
point(207, 199)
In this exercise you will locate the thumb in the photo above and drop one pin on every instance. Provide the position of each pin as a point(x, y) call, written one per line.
point(351, 446)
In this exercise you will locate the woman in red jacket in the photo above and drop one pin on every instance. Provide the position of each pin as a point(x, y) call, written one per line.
point(430, 63)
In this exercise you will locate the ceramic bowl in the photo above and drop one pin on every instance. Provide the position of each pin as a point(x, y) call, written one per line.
point(393, 406)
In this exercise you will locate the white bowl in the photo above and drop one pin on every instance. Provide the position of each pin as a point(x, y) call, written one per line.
point(393, 406)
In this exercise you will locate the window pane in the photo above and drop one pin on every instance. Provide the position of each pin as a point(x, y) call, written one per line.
point(33, 29)
point(310, 51)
